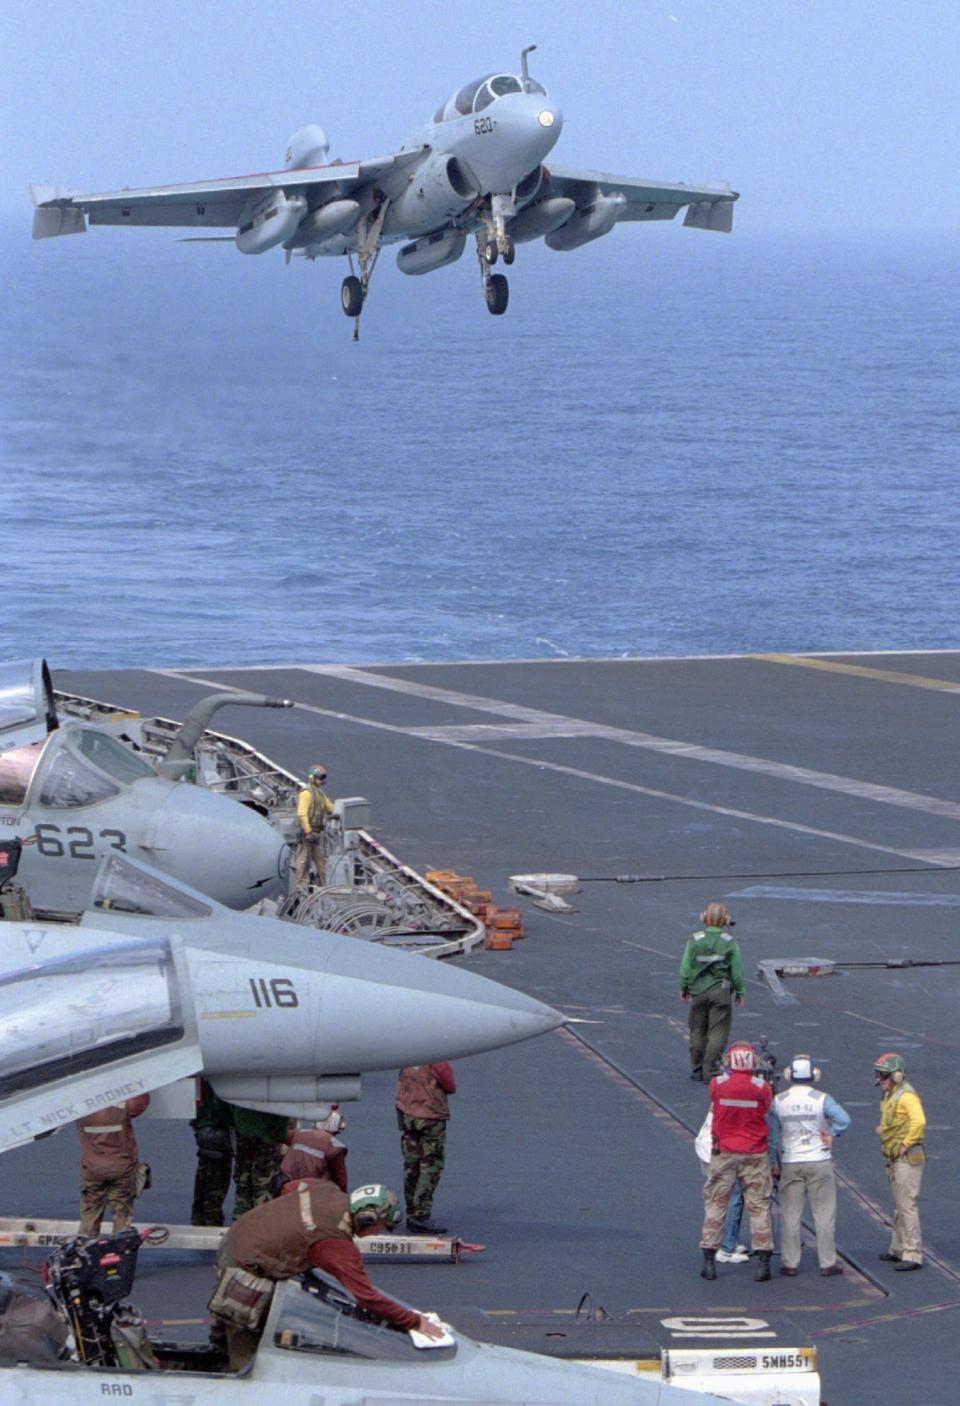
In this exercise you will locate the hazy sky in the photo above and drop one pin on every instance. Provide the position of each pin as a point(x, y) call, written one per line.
point(824, 113)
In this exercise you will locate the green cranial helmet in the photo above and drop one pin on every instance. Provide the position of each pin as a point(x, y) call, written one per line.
point(317, 774)
point(890, 1066)
point(373, 1203)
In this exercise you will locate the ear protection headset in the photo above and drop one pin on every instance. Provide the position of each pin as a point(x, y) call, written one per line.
point(889, 1066)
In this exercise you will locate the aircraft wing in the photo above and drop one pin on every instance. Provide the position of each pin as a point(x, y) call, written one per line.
point(708, 206)
point(216, 203)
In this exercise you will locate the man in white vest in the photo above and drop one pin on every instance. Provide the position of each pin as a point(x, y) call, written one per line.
point(809, 1121)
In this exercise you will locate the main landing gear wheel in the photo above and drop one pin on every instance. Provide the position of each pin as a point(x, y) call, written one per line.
point(351, 296)
point(497, 293)
point(509, 250)
point(490, 252)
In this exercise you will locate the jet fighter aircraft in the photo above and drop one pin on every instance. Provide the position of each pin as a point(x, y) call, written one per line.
point(476, 168)
point(158, 983)
point(83, 794)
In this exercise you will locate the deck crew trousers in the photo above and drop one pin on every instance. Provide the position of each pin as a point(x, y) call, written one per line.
point(310, 854)
point(905, 1188)
point(816, 1181)
point(709, 1020)
point(752, 1170)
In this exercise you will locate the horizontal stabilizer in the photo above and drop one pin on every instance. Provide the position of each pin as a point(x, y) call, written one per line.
point(711, 214)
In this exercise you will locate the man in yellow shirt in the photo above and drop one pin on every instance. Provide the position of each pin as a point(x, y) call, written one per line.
point(900, 1130)
point(313, 810)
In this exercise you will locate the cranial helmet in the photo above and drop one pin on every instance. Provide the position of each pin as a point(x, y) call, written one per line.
point(716, 916)
point(802, 1070)
point(742, 1056)
point(317, 773)
point(373, 1203)
point(889, 1066)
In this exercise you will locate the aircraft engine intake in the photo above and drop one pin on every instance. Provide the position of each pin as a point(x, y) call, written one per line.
point(269, 220)
point(528, 187)
point(431, 252)
point(437, 191)
point(588, 222)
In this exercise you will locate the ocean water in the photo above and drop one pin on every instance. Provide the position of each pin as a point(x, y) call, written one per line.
point(673, 442)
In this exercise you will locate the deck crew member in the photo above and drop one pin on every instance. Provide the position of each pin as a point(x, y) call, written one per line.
point(740, 1099)
point(422, 1114)
point(213, 1130)
point(261, 1144)
point(110, 1164)
point(709, 971)
point(313, 810)
point(809, 1121)
point(312, 1226)
point(315, 1154)
point(901, 1130)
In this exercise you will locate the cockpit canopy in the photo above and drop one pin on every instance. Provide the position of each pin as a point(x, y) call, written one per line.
point(77, 766)
point(475, 96)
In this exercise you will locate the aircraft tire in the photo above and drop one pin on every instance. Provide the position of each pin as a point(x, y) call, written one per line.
point(490, 252)
point(497, 294)
point(509, 252)
point(351, 296)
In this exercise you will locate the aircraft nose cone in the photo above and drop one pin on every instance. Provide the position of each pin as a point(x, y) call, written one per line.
point(403, 1009)
point(216, 845)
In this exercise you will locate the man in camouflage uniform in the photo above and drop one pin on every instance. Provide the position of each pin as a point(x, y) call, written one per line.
point(422, 1114)
point(261, 1147)
point(740, 1099)
point(213, 1130)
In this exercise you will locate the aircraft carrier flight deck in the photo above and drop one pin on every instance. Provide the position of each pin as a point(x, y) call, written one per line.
point(819, 798)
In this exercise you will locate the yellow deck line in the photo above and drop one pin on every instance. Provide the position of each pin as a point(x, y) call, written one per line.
point(861, 671)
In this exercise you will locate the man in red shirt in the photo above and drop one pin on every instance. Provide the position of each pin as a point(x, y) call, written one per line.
point(422, 1113)
point(739, 1098)
point(109, 1164)
point(311, 1226)
point(314, 1154)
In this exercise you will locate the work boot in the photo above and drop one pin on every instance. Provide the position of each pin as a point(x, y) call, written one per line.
point(709, 1270)
point(763, 1266)
point(425, 1227)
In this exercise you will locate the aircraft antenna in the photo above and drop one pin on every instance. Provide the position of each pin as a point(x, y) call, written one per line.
point(523, 63)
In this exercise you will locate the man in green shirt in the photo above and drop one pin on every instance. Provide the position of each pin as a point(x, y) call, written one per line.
point(709, 972)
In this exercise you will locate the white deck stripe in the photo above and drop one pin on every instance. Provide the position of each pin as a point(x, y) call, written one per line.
point(824, 780)
point(925, 856)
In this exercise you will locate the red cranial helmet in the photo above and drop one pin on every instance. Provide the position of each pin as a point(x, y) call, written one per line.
point(742, 1056)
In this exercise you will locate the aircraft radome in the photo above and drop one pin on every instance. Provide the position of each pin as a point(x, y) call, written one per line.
point(476, 168)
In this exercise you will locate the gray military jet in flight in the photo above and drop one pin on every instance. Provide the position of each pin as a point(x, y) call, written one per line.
point(158, 983)
point(476, 168)
point(81, 794)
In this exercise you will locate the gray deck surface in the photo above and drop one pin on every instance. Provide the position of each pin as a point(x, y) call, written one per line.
point(578, 1178)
